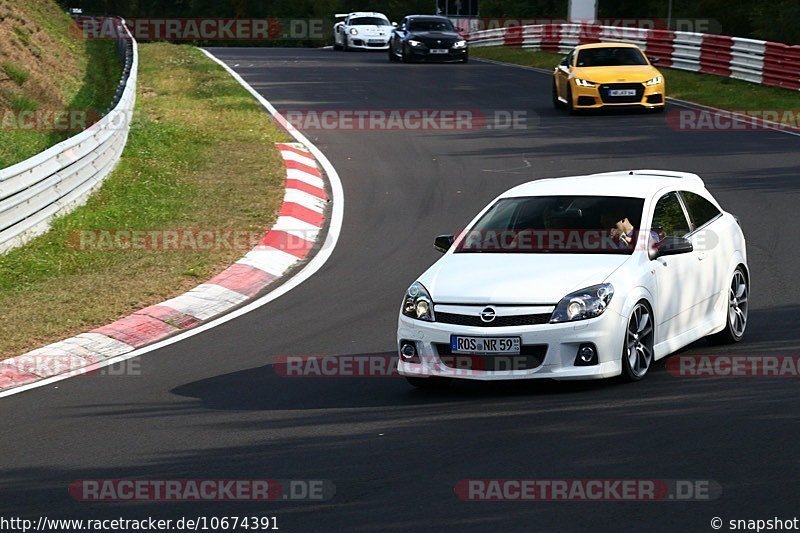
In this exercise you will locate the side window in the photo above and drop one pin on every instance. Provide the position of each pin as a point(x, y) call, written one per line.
point(701, 211)
point(668, 217)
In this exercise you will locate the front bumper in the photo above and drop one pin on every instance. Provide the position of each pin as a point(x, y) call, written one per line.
point(422, 53)
point(560, 342)
point(597, 97)
point(367, 42)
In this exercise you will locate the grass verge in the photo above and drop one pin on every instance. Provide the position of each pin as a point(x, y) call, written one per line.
point(47, 67)
point(715, 91)
point(200, 155)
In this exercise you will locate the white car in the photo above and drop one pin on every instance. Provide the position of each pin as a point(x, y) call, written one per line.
point(364, 30)
point(577, 278)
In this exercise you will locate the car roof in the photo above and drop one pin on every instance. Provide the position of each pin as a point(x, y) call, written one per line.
point(632, 183)
point(606, 45)
point(429, 17)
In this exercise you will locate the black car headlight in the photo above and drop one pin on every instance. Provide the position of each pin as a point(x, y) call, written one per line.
point(460, 44)
point(585, 303)
point(418, 303)
point(415, 44)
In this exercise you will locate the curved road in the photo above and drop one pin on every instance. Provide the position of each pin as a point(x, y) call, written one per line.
point(213, 407)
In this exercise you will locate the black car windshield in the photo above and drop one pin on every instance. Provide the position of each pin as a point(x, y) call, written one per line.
point(369, 21)
point(610, 57)
point(430, 25)
point(557, 224)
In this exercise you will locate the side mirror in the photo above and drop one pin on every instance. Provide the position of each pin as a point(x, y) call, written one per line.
point(672, 246)
point(443, 243)
point(654, 60)
point(394, 24)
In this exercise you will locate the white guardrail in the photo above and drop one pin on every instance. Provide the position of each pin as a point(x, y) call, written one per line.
point(61, 178)
point(761, 62)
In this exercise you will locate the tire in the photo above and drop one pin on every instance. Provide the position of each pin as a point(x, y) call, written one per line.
point(392, 56)
point(637, 348)
point(336, 46)
point(557, 104)
point(406, 57)
point(570, 108)
point(736, 320)
point(432, 383)
point(466, 58)
point(345, 46)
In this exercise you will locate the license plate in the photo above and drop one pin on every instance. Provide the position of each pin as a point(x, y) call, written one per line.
point(375, 41)
point(622, 92)
point(484, 345)
point(440, 51)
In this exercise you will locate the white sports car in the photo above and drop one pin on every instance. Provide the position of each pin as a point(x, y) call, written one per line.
point(577, 278)
point(362, 30)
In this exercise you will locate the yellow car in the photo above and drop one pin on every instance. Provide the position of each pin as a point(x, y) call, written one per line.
point(594, 76)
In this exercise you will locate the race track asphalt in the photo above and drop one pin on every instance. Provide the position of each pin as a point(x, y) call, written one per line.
point(212, 406)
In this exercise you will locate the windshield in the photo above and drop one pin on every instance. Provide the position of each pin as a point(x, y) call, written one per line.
point(610, 57)
point(369, 21)
point(430, 25)
point(557, 224)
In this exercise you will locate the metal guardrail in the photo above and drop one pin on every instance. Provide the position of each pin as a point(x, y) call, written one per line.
point(61, 178)
point(761, 62)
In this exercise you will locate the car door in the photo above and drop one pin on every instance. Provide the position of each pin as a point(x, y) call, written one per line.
point(562, 74)
point(711, 251)
point(676, 276)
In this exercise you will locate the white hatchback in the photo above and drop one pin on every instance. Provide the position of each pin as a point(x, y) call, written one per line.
point(577, 278)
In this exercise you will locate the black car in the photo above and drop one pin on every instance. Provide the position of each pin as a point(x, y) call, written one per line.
point(427, 38)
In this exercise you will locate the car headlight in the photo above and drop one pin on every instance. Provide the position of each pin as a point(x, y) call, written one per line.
point(654, 81)
point(353, 31)
point(583, 83)
point(460, 44)
point(412, 42)
point(418, 303)
point(585, 303)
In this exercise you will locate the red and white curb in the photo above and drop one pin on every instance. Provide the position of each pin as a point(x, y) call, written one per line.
point(289, 241)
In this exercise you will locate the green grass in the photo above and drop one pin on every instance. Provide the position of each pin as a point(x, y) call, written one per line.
point(51, 68)
point(200, 155)
point(18, 74)
point(715, 91)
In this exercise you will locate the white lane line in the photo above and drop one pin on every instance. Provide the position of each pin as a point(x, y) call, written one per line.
point(680, 103)
point(322, 256)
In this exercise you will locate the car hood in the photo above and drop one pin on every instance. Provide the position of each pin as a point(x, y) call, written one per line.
point(435, 35)
point(633, 73)
point(500, 278)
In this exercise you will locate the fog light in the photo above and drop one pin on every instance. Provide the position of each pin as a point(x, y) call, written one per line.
point(408, 351)
point(587, 355)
